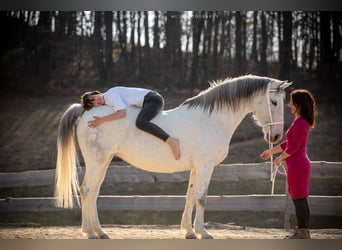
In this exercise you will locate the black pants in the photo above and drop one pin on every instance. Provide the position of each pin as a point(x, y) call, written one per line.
point(153, 104)
point(302, 212)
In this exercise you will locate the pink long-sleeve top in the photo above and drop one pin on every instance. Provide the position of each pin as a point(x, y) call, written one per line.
point(298, 164)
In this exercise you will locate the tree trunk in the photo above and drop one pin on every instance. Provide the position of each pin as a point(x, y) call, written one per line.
point(223, 33)
point(196, 37)
point(336, 18)
point(325, 69)
point(244, 42)
point(215, 43)
point(139, 73)
point(313, 58)
point(98, 53)
point(173, 46)
point(156, 30)
point(186, 52)
point(264, 38)
point(146, 67)
point(156, 57)
point(60, 24)
point(71, 23)
point(280, 35)
point(206, 64)
point(285, 64)
point(44, 43)
point(254, 55)
point(238, 43)
point(132, 43)
point(109, 45)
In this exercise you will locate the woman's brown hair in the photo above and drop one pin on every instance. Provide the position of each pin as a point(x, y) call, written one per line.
point(305, 102)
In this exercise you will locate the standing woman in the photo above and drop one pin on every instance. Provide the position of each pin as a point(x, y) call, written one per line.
point(294, 152)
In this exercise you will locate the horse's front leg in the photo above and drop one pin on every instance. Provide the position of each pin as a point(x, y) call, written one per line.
point(203, 176)
point(186, 223)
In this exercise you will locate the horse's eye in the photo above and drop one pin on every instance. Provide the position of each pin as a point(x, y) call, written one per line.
point(274, 102)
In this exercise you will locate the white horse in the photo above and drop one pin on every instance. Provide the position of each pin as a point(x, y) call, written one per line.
point(204, 125)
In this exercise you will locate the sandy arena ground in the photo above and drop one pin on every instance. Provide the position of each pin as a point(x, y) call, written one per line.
point(219, 231)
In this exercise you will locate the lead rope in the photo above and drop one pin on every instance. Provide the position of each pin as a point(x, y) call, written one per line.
point(274, 169)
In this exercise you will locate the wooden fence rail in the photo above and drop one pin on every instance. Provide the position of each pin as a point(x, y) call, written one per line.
point(223, 172)
point(319, 205)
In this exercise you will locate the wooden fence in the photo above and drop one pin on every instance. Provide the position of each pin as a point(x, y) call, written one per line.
point(319, 204)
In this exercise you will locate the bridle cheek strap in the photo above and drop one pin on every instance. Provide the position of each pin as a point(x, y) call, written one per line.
point(274, 169)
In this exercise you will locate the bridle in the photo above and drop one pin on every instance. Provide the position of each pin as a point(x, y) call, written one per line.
point(274, 169)
point(268, 91)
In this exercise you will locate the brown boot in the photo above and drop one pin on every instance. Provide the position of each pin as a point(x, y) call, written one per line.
point(301, 233)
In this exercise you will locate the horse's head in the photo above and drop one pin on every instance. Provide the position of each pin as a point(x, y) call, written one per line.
point(269, 110)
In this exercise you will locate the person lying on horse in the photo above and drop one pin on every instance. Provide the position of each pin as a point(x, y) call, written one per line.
point(150, 102)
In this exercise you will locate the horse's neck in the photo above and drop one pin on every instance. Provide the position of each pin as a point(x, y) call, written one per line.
point(232, 119)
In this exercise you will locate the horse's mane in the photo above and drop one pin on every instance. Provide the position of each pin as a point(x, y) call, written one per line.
point(228, 93)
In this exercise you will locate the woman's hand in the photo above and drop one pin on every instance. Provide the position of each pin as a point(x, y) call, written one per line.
point(277, 161)
point(96, 122)
point(266, 154)
point(280, 158)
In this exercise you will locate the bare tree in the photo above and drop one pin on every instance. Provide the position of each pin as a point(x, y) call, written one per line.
point(238, 43)
point(109, 45)
point(146, 69)
point(98, 52)
point(197, 26)
point(122, 29)
point(336, 19)
point(223, 33)
point(254, 54)
point(147, 34)
point(132, 41)
point(139, 63)
point(216, 40)
point(173, 51)
point(286, 59)
point(156, 31)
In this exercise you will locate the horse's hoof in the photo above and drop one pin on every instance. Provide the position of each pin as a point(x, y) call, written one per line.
point(207, 237)
point(104, 236)
point(190, 237)
point(92, 237)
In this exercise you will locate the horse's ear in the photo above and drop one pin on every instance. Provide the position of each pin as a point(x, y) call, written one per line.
point(284, 85)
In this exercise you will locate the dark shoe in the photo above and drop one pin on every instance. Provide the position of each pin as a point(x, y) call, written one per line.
point(301, 233)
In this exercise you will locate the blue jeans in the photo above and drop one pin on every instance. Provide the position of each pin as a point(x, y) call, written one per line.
point(153, 104)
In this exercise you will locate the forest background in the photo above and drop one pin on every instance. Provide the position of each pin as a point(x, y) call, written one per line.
point(49, 58)
point(67, 52)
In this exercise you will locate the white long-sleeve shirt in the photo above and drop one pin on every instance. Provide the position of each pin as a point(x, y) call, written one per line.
point(122, 97)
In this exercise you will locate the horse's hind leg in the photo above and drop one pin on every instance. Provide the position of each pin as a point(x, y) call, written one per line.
point(186, 223)
point(93, 178)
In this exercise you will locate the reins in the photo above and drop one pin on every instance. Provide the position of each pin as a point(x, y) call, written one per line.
point(274, 169)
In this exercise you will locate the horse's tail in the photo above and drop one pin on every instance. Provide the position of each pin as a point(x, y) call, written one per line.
point(66, 179)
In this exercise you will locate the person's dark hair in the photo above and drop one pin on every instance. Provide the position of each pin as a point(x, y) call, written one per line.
point(87, 100)
point(305, 102)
